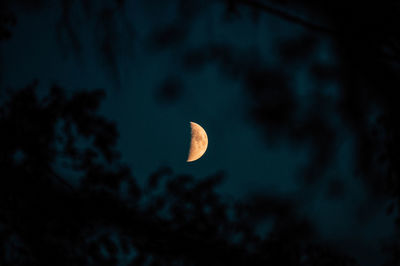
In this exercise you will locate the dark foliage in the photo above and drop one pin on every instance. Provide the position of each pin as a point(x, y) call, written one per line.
point(97, 215)
point(169, 91)
point(174, 220)
point(7, 20)
point(366, 40)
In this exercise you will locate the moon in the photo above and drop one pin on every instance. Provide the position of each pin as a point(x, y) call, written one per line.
point(198, 142)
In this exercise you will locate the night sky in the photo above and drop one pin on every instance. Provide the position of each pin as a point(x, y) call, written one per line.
point(270, 93)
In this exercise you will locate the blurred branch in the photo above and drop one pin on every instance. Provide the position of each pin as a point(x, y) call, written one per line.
point(288, 17)
point(61, 180)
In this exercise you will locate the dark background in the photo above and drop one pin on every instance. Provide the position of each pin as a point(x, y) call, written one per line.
point(299, 101)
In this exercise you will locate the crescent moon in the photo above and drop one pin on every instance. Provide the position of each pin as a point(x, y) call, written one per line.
point(198, 142)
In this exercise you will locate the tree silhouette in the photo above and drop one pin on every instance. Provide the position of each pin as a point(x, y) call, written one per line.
point(69, 204)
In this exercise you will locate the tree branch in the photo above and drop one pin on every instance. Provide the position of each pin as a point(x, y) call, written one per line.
point(299, 21)
point(286, 16)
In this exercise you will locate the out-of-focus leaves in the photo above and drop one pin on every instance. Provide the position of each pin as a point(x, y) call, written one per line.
point(7, 20)
point(51, 218)
point(156, 177)
point(167, 37)
point(298, 49)
point(174, 219)
point(336, 188)
point(170, 91)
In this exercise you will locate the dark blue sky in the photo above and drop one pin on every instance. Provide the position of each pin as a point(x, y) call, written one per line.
point(155, 134)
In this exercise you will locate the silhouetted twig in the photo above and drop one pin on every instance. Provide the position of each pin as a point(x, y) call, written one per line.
point(286, 16)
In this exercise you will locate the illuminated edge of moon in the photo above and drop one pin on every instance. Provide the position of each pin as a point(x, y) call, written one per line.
point(197, 146)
